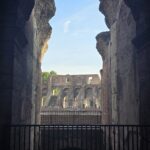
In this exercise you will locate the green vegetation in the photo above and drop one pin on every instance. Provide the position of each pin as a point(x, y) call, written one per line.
point(52, 73)
point(46, 75)
point(56, 91)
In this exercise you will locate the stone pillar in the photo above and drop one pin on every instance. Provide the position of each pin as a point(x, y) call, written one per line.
point(7, 32)
point(102, 46)
point(112, 48)
point(141, 41)
point(10, 20)
point(121, 64)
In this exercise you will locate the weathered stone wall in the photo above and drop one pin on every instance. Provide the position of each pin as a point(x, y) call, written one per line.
point(127, 76)
point(43, 11)
point(13, 17)
point(27, 62)
point(102, 46)
point(72, 91)
point(141, 15)
point(128, 53)
point(119, 77)
point(20, 60)
point(23, 38)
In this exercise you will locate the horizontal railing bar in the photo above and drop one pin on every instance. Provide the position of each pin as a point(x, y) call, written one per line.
point(48, 125)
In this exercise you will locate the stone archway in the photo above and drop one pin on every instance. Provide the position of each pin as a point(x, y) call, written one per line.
point(76, 92)
point(88, 92)
point(65, 97)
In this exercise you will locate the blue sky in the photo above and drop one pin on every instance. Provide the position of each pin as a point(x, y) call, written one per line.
point(72, 47)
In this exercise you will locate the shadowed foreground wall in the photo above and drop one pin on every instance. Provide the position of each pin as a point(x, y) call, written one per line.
point(24, 32)
point(125, 74)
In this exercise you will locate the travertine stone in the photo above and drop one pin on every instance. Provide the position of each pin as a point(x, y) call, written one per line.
point(72, 92)
point(33, 34)
point(119, 77)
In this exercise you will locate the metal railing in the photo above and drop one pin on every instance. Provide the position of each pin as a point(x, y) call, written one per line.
point(82, 137)
point(76, 117)
point(71, 111)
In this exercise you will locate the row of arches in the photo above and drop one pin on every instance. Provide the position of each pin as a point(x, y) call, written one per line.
point(78, 97)
point(88, 92)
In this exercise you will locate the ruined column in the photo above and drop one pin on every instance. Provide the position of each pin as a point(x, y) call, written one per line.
point(102, 47)
point(122, 61)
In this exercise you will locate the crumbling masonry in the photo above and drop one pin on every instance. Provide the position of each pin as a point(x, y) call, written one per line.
point(24, 30)
point(72, 91)
point(125, 53)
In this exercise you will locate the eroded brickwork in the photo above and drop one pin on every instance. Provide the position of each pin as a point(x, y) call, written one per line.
point(72, 91)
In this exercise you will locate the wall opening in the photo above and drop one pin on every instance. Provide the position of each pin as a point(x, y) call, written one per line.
point(72, 45)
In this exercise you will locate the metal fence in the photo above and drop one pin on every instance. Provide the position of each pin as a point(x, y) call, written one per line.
point(53, 116)
point(79, 137)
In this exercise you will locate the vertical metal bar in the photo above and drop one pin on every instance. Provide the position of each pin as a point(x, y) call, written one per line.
point(24, 138)
point(118, 137)
point(48, 132)
point(142, 138)
point(39, 139)
point(58, 136)
point(53, 139)
point(91, 136)
point(86, 136)
point(72, 135)
point(128, 132)
point(34, 136)
point(14, 141)
point(38, 136)
point(81, 137)
point(77, 136)
point(29, 137)
point(142, 146)
point(132, 138)
point(99, 144)
point(123, 137)
point(46, 137)
point(43, 137)
point(68, 136)
point(95, 137)
point(19, 137)
point(114, 134)
point(100, 134)
point(50, 138)
point(105, 138)
point(63, 136)
point(146, 138)
point(109, 137)
point(137, 137)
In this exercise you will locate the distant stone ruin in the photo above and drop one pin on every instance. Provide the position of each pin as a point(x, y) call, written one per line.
point(72, 92)
point(71, 99)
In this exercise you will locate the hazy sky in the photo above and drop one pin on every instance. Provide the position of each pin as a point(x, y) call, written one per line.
point(72, 47)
